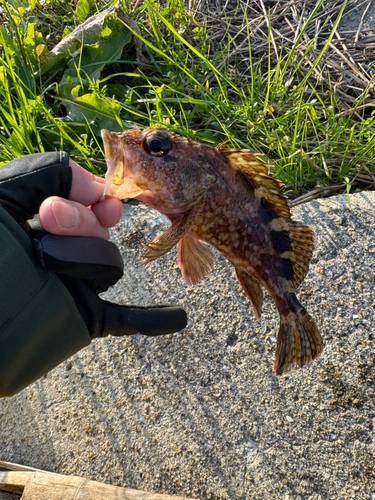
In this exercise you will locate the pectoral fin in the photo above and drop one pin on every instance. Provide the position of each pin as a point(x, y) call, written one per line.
point(195, 259)
point(253, 290)
point(167, 240)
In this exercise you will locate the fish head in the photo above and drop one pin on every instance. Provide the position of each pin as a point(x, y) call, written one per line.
point(167, 171)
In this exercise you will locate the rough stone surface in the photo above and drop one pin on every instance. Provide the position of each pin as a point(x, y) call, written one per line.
point(200, 413)
point(362, 18)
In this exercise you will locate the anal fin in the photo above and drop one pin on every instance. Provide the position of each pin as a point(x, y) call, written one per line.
point(195, 259)
point(253, 290)
point(167, 240)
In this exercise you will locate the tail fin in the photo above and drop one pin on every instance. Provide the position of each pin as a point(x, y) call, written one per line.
point(298, 342)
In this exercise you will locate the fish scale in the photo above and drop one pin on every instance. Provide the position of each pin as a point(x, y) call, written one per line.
point(224, 198)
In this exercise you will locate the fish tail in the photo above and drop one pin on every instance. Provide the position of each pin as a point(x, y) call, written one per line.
point(299, 341)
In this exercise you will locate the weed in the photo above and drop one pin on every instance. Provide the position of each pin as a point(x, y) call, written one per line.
point(279, 99)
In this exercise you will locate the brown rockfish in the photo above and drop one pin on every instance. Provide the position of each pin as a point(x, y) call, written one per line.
point(223, 197)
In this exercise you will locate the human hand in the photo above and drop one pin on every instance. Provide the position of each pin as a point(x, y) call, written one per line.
point(67, 200)
point(66, 196)
point(83, 213)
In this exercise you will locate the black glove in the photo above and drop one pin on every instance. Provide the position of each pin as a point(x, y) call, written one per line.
point(86, 266)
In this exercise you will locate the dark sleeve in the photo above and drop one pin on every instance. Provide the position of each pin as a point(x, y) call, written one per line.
point(26, 181)
point(39, 323)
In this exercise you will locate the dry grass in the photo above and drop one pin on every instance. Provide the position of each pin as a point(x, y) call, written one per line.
point(346, 61)
point(340, 62)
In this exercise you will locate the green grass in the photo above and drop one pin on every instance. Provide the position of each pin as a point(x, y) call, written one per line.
point(272, 107)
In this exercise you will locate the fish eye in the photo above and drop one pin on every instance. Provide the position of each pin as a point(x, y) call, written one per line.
point(157, 143)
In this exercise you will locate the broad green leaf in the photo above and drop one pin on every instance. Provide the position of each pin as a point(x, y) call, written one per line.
point(117, 91)
point(31, 41)
point(22, 4)
point(96, 56)
point(95, 110)
point(71, 81)
point(87, 65)
point(46, 59)
point(89, 32)
point(83, 8)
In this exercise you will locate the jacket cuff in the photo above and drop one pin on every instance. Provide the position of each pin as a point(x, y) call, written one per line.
point(27, 181)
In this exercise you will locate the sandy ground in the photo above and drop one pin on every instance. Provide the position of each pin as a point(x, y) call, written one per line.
point(200, 413)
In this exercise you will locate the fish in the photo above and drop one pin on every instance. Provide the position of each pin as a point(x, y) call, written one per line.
point(226, 199)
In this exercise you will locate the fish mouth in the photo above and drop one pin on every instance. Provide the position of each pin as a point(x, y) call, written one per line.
point(119, 177)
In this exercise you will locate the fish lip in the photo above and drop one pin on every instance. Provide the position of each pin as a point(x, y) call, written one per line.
point(106, 143)
point(108, 154)
point(119, 177)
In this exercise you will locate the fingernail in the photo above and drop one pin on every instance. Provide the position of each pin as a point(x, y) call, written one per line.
point(66, 215)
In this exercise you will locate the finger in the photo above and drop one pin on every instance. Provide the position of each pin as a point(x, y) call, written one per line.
point(150, 321)
point(108, 212)
point(65, 217)
point(155, 321)
point(86, 188)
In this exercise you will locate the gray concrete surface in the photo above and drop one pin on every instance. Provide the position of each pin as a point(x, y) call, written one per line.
point(361, 18)
point(200, 413)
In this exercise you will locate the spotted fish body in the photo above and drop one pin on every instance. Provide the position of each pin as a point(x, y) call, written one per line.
point(223, 197)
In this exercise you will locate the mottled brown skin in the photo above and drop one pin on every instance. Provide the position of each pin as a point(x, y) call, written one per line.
point(235, 219)
point(234, 222)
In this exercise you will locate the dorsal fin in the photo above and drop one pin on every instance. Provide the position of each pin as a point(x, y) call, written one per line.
point(266, 188)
